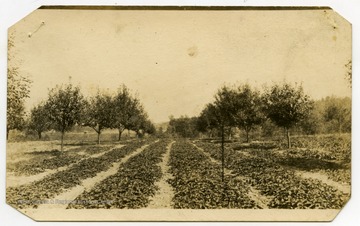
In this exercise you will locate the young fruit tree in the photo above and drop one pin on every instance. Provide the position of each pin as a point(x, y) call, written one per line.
point(64, 106)
point(39, 120)
point(137, 120)
point(123, 105)
point(248, 109)
point(149, 127)
point(207, 121)
point(98, 113)
point(286, 106)
point(130, 114)
point(223, 112)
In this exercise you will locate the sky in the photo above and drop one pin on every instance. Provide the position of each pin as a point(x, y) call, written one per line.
point(176, 60)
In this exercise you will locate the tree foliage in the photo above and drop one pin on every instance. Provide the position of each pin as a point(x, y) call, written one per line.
point(348, 75)
point(224, 107)
point(18, 89)
point(121, 111)
point(99, 113)
point(136, 117)
point(337, 114)
point(184, 126)
point(149, 127)
point(39, 119)
point(130, 114)
point(65, 106)
point(287, 105)
point(122, 107)
point(248, 108)
point(207, 122)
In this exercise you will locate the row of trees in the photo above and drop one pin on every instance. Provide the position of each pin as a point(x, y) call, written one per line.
point(279, 108)
point(245, 108)
point(67, 107)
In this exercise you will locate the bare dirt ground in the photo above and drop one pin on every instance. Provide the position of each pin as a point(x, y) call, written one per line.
point(207, 154)
point(62, 200)
point(345, 188)
point(163, 197)
point(254, 194)
point(247, 154)
point(13, 181)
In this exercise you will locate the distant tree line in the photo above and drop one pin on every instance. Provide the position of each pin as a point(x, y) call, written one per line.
point(66, 107)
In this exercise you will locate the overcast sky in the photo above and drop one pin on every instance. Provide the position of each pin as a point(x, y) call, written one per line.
point(176, 60)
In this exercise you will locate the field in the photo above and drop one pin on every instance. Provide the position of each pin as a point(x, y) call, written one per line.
point(160, 173)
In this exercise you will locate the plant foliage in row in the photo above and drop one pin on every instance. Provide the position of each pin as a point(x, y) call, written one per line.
point(198, 185)
point(26, 196)
point(54, 159)
point(131, 187)
point(286, 190)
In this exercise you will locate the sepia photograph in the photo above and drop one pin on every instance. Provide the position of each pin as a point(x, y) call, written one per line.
point(139, 113)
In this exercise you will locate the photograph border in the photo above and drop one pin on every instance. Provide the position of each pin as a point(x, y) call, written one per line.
point(206, 8)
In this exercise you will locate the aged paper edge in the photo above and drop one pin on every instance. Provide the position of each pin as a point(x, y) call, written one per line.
point(209, 8)
point(313, 215)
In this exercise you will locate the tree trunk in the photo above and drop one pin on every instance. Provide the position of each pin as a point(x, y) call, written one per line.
point(7, 133)
point(62, 140)
point(39, 135)
point(340, 127)
point(98, 137)
point(120, 132)
point(288, 137)
point(247, 136)
point(222, 153)
point(139, 134)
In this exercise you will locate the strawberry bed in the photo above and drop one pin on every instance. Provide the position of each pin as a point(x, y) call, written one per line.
point(45, 160)
point(337, 147)
point(41, 163)
point(131, 187)
point(281, 185)
point(197, 182)
point(309, 160)
point(30, 195)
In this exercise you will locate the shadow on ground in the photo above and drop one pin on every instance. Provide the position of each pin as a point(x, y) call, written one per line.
point(310, 164)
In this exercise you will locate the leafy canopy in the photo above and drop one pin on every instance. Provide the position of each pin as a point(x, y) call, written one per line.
point(65, 106)
point(287, 105)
